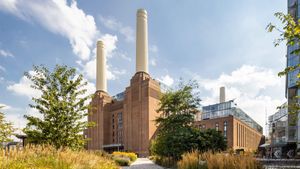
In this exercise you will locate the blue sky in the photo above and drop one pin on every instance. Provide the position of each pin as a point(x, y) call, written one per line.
point(218, 43)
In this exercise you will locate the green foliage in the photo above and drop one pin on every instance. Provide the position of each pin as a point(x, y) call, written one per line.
point(290, 34)
point(130, 155)
point(6, 129)
point(177, 110)
point(62, 106)
point(211, 140)
point(176, 134)
point(184, 100)
point(122, 161)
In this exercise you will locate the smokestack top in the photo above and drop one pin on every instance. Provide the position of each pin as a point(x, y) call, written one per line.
point(100, 43)
point(142, 13)
point(222, 94)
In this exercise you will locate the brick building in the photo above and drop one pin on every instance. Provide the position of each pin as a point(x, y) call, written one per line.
point(125, 121)
point(239, 129)
point(238, 134)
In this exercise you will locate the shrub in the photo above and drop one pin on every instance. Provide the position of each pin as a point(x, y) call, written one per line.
point(41, 157)
point(122, 161)
point(217, 161)
point(130, 155)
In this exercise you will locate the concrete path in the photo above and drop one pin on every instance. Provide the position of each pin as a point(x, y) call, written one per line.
point(143, 163)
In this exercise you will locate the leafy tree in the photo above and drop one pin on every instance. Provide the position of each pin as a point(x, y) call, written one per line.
point(176, 134)
point(6, 129)
point(62, 106)
point(177, 110)
point(212, 140)
point(290, 34)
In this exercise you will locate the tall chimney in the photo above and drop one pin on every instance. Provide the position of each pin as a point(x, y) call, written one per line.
point(222, 94)
point(101, 68)
point(141, 41)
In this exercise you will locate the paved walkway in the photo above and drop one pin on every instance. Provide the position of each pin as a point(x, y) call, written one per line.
point(143, 163)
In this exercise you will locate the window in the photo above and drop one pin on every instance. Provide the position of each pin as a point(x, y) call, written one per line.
point(225, 129)
point(120, 120)
point(113, 121)
point(120, 126)
point(217, 126)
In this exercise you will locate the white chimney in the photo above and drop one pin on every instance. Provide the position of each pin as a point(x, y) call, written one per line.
point(101, 68)
point(142, 41)
point(222, 94)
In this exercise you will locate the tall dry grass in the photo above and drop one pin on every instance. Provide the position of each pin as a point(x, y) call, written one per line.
point(208, 160)
point(47, 157)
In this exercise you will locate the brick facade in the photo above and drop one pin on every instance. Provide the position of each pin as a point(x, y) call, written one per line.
point(239, 135)
point(129, 123)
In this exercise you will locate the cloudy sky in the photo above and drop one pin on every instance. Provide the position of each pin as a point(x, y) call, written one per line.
point(218, 43)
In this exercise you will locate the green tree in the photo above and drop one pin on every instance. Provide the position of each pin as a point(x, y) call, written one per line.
point(212, 140)
point(62, 106)
point(290, 34)
point(176, 132)
point(177, 108)
point(6, 129)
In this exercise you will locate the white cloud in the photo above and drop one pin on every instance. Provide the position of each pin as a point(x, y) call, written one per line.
point(2, 68)
point(123, 56)
point(58, 17)
point(109, 43)
point(255, 90)
point(4, 106)
point(23, 88)
point(66, 19)
point(153, 62)
point(115, 25)
point(153, 49)
point(5, 53)
point(167, 80)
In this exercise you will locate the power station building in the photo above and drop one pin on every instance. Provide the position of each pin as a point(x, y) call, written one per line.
point(125, 121)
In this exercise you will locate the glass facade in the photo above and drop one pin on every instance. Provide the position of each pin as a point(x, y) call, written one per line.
point(278, 126)
point(293, 130)
point(119, 96)
point(292, 59)
point(228, 108)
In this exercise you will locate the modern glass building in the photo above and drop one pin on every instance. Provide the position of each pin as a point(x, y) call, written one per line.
point(279, 134)
point(293, 135)
point(278, 126)
point(229, 108)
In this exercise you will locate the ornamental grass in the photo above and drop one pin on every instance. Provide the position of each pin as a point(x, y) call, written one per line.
point(47, 157)
point(209, 160)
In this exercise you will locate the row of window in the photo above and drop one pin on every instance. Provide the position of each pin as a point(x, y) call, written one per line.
point(225, 124)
